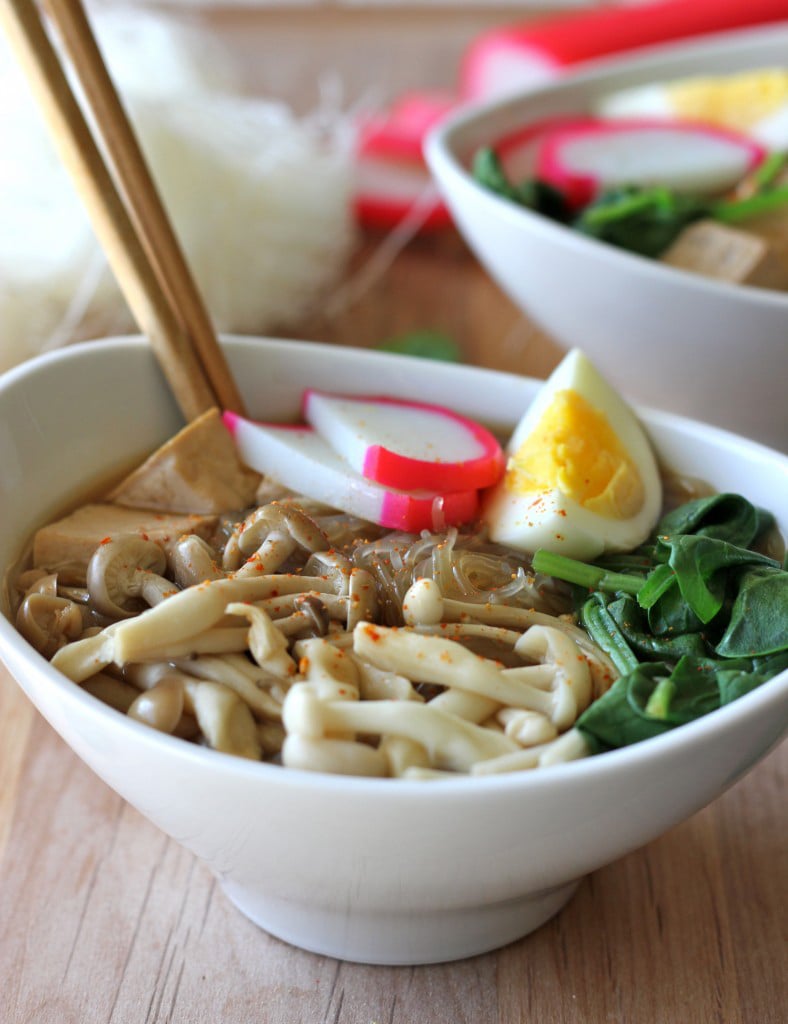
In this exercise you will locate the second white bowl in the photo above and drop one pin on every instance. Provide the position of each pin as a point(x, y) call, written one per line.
point(666, 337)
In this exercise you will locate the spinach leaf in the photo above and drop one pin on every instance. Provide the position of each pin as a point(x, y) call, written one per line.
point(736, 682)
point(534, 194)
point(655, 698)
point(669, 646)
point(618, 717)
point(724, 516)
point(671, 615)
point(759, 617)
point(606, 634)
point(691, 620)
point(641, 220)
point(701, 566)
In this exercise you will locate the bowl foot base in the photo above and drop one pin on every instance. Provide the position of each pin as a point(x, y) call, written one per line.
point(401, 937)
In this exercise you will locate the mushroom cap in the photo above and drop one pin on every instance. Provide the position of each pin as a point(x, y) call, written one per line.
point(193, 560)
point(274, 518)
point(333, 566)
point(285, 519)
point(48, 622)
point(116, 573)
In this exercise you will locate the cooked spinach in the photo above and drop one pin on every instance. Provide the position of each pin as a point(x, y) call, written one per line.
point(693, 619)
point(641, 220)
point(532, 193)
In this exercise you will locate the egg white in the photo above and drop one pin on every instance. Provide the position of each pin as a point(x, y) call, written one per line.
point(656, 100)
point(548, 518)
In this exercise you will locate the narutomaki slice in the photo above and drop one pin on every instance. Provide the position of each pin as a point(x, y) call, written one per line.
point(404, 444)
point(300, 459)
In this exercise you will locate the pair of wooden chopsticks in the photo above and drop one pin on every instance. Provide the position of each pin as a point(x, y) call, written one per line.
point(122, 201)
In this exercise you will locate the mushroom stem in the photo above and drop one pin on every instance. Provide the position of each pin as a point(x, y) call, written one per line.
point(268, 537)
point(425, 605)
point(450, 741)
point(433, 659)
point(569, 747)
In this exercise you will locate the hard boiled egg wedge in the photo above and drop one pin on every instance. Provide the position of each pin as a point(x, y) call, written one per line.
point(752, 102)
point(581, 477)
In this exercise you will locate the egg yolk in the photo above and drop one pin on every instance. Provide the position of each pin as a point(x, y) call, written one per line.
point(735, 101)
point(575, 450)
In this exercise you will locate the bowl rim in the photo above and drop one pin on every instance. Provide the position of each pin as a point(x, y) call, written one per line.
point(441, 146)
point(773, 692)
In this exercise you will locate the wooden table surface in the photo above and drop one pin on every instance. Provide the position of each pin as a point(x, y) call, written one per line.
point(105, 919)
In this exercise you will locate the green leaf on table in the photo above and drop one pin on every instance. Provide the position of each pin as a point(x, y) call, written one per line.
point(425, 344)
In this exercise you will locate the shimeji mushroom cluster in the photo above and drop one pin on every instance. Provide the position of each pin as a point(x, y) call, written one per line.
point(240, 650)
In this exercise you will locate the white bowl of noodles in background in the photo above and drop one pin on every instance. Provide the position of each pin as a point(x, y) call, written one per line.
point(374, 870)
point(666, 337)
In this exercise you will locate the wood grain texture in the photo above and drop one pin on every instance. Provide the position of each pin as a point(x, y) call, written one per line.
point(104, 919)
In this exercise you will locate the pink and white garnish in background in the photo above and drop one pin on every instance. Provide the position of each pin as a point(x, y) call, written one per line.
point(392, 179)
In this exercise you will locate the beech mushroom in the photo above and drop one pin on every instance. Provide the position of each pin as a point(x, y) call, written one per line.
point(528, 728)
point(162, 706)
point(238, 674)
point(333, 567)
point(331, 673)
point(451, 742)
point(554, 648)
point(183, 616)
point(174, 701)
point(424, 604)
point(445, 662)
point(358, 603)
point(570, 747)
point(403, 755)
point(337, 756)
point(193, 560)
point(268, 537)
point(48, 622)
point(225, 721)
point(124, 572)
point(266, 643)
point(115, 692)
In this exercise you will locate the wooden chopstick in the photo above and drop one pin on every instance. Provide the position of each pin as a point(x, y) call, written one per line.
point(132, 227)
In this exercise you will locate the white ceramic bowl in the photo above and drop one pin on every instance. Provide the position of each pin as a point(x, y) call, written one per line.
point(704, 348)
point(380, 871)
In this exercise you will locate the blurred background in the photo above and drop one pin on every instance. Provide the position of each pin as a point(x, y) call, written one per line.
point(255, 117)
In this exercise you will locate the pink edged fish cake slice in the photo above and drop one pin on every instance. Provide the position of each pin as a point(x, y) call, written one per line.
point(585, 157)
point(300, 459)
point(404, 444)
